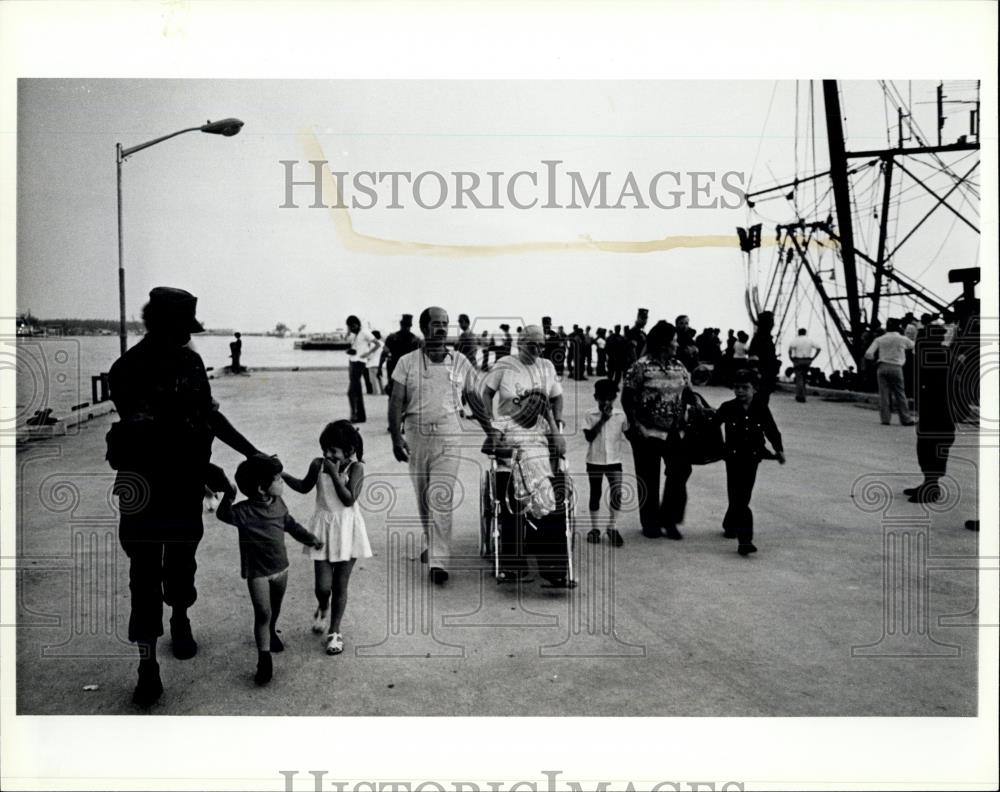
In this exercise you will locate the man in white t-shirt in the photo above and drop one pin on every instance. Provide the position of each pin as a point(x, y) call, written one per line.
point(891, 348)
point(428, 385)
point(363, 346)
point(802, 351)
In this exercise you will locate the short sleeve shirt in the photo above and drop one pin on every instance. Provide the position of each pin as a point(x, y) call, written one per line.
point(262, 529)
point(433, 391)
point(606, 448)
point(511, 379)
point(364, 344)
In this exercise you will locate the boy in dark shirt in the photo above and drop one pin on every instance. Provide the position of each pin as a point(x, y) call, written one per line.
point(262, 520)
point(747, 421)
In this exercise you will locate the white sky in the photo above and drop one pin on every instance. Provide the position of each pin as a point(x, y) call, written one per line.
point(202, 212)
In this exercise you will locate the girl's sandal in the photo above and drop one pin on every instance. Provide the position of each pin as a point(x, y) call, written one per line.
point(334, 644)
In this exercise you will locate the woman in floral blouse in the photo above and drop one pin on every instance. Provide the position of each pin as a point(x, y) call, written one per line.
point(656, 389)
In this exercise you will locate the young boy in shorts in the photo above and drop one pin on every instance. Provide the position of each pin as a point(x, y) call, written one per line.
point(605, 429)
point(262, 520)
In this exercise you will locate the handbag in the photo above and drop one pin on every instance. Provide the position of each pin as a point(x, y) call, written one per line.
point(702, 434)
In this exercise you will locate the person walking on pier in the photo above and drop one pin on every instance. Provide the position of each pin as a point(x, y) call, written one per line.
point(935, 368)
point(262, 521)
point(161, 447)
point(891, 348)
point(363, 345)
point(653, 397)
point(467, 342)
point(802, 352)
point(762, 354)
point(397, 344)
point(338, 522)
point(428, 385)
point(747, 422)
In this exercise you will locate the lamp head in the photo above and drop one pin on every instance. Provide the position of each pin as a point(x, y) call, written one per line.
point(227, 127)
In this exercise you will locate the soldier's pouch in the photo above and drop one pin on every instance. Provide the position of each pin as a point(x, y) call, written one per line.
point(128, 443)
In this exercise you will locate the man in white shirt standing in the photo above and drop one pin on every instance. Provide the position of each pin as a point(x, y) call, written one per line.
point(891, 348)
point(802, 351)
point(428, 384)
point(363, 345)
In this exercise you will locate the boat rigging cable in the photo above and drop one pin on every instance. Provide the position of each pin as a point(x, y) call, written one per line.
point(875, 198)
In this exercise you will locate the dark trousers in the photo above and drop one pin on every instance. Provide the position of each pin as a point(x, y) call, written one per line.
point(522, 536)
point(595, 475)
point(741, 474)
point(932, 453)
point(668, 512)
point(369, 388)
point(602, 362)
point(160, 539)
point(358, 371)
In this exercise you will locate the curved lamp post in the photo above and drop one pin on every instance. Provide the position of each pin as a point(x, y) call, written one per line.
point(227, 127)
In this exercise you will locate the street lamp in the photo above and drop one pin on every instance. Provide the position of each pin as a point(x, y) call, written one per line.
point(227, 127)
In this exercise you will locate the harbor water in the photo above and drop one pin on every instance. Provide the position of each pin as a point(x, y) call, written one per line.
point(55, 371)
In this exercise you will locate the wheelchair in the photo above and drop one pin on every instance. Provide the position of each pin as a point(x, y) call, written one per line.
point(498, 502)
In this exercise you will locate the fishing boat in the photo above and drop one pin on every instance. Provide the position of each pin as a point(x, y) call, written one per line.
point(336, 340)
point(860, 229)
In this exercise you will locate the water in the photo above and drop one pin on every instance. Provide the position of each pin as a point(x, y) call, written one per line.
point(55, 371)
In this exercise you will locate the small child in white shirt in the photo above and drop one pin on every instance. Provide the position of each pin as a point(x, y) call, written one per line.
point(605, 429)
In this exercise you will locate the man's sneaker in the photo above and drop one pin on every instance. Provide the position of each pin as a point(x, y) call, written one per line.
point(672, 533)
point(184, 645)
point(746, 549)
point(615, 538)
point(150, 688)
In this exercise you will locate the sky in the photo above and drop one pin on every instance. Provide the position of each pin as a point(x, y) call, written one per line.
point(205, 213)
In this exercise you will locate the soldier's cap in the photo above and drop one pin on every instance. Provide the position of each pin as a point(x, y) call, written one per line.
point(407, 320)
point(176, 305)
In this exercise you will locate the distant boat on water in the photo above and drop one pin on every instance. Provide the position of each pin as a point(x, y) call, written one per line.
point(336, 340)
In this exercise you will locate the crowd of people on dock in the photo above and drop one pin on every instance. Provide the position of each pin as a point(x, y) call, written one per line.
point(643, 400)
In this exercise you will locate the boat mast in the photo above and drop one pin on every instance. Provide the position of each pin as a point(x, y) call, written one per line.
point(842, 202)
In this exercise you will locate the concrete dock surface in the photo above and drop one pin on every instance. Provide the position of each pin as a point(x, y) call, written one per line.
point(858, 603)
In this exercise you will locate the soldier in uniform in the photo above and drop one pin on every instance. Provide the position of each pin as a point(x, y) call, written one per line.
point(396, 345)
point(161, 447)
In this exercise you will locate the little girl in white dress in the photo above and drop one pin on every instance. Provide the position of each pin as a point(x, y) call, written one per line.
point(337, 521)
